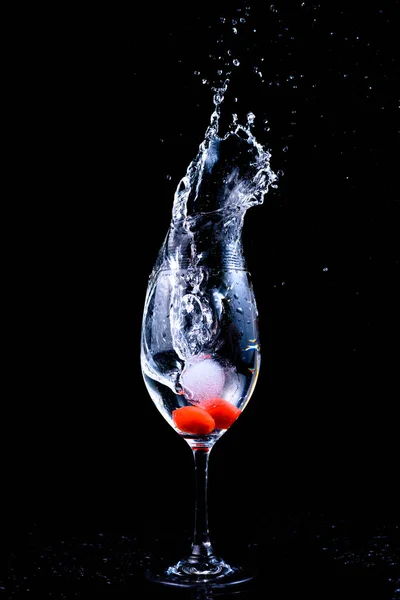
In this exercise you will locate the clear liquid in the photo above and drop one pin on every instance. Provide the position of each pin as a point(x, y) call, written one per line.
point(192, 354)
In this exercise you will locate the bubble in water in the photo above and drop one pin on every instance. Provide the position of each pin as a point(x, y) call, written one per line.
point(191, 320)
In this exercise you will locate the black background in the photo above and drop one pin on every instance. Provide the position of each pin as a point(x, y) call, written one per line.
point(110, 114)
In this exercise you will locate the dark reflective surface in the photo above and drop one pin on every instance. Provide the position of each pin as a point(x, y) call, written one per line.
point(295, 554)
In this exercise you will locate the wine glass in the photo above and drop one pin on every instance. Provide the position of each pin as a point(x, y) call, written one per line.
point(200, 359)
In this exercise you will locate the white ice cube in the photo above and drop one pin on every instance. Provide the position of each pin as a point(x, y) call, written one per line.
point(203, 379)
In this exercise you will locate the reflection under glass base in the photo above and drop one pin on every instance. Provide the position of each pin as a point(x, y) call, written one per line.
point(216, 573)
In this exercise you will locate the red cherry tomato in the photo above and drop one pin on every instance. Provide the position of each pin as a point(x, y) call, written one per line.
point(193, 419)
point(223, 412)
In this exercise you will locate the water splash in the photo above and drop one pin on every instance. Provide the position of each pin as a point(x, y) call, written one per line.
point(229, 174)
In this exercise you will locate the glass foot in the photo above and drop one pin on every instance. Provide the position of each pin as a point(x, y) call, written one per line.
point(214, 573)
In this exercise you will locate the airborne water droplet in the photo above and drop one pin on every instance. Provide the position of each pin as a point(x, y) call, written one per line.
point(250, 118)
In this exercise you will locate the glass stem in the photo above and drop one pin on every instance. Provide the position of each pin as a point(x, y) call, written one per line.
point(201, 546)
